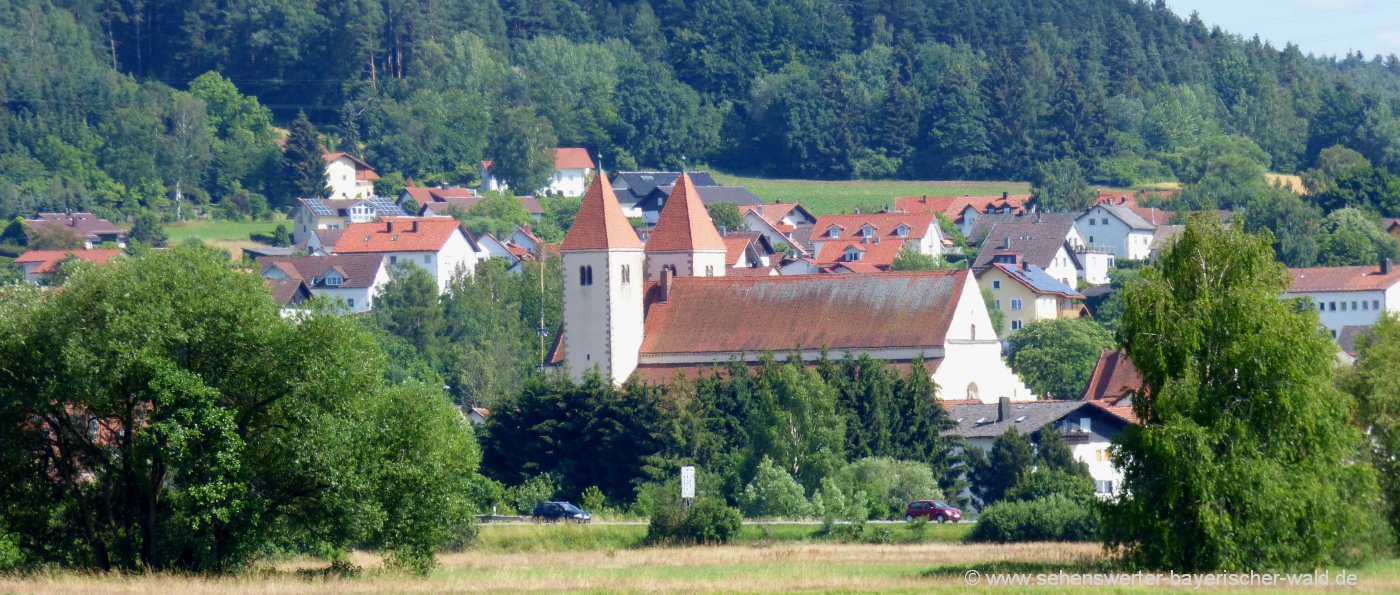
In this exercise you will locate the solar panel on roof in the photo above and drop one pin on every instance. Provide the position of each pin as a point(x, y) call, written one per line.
point(386, 207)
point(317, 207)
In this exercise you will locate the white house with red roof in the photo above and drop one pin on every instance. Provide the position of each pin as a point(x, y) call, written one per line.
point(874, 239)
point(39, 265)
point(572, 166)
point(1348, 296)
point(436, 244)
point(349, 177)
point(964, 210)
point(681, 316)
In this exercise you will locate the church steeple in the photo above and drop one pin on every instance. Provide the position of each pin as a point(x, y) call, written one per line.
point(685, 239)
point(603, 266)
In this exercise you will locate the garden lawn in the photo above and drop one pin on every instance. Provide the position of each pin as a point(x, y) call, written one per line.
point(828, 197)
point(211, 231)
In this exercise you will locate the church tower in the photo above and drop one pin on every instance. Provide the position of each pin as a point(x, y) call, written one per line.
point(685, 239)
point(603, 263)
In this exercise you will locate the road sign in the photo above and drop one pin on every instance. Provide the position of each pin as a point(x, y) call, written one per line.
point(687, 482)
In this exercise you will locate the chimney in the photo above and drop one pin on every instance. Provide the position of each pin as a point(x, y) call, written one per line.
point(389, 226)
point(414, 227)
point(1003, 408)
point(1385, 266)
point(665, 284)
point(1005, 195)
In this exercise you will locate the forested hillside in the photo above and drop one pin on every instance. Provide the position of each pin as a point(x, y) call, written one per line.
point(124, 105)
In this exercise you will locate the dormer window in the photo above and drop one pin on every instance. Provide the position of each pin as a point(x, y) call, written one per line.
point(853, 255)
point(833, 231)
point(334, 280)
point(867, 231)
point(902, 230)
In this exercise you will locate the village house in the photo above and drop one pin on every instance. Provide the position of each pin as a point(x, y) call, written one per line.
point(1393, 228)
point(572, 166)
point(348, 177)
point(1025, 292)
point(1047, 240)
point(965, 210)
point(874, 239)
point(644, 194)
point(289, 294)
point(1348, 296)
point(749, 251)
point(414, 198)
point(436, 244)
point(321, 213)
point(351, 279)
point(518, 247)
point(1127, 232)
point(783, 224)
point(94, 231)
point(1087, 427)
point(658, 311)
point(39, 265)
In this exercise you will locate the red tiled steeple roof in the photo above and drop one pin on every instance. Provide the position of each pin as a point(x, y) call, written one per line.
point(684, 224)
point(600, 224)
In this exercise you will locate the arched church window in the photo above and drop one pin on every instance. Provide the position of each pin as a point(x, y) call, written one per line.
point(974, 332)
point(626, 274)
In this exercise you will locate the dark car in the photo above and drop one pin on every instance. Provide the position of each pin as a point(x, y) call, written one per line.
point(560, 511)
point(933, 510)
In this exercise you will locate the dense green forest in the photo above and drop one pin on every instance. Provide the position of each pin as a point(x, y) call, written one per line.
point(126, 105)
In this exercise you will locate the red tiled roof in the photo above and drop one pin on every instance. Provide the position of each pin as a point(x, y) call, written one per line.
point(840, 312)
point(1114, 377)
point(397, 234)
point(572, 158)
point(358, 270)
point(748, 272)
point(49, 259)
point(1354, 278)
point(83, 225)
point(734, 247)
point(422, 195)
point(951, 403)
point(858, 267)
point(884, 223)
point(773, 213)
point(684, 224)
point(953, 206)
point(1153, 215)
point(1123, 412)
point(289, 292)
point(600, 223)
point(880, 253)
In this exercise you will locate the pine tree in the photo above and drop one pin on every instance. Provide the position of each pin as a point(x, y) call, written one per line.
point(305, 161)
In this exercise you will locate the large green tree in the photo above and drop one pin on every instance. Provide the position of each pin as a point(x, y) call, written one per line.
point(1377, 390)
point(1055, 356)
point(175, 421)
point(1242, 437)
point(305, 161)
point(522, 150)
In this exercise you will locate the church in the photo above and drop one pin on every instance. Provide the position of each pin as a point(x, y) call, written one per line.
point(664, 308)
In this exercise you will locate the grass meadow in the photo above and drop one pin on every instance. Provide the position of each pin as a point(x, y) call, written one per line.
point(610, 559)
point(828, 197)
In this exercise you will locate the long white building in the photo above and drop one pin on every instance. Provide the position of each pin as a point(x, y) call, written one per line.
point(1348, 296)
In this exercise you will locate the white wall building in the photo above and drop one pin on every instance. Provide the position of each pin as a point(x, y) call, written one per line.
point(319, 213)
point(1348, 296)
point(436, 244)
point(353, 280)
point(1120, 229)
point(348, 177)
point(572, 166)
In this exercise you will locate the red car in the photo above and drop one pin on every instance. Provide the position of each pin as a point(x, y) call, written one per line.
point(933, 510)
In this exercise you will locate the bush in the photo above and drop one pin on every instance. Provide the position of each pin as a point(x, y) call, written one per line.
point(1054, 518)
point(1043, 483)
point(10, 557)
point(524, 497)
point(889, 484)
point(773, 493)
point(709, 521)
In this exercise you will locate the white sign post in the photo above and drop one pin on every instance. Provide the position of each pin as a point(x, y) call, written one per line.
point(687, 485)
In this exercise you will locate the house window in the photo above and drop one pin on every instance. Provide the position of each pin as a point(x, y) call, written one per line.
point(1353, 305)
point(1365, 305)
point(626, 274)
point(996, 284)
point(427, 259)
point(1344, 306)
point(1016, 324)
point(1103, 486)
point(901, 231)
point(1375, 304)
point(393, 259)
point(1321, 307)
point(833, 232)
point(1015, 304)
point(996, 304)
point(585, 275)
point(1084, 424)
point(1101, 455)
point(973, 332)
point(867, 231)
point(352, 302)
point(1104, 221)
point(1331, 306)
point(1091, 239)
point(709, 271)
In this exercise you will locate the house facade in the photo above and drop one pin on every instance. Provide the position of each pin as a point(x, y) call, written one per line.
point(94, 231)
point(351, 280)
point(1087, 428)
point(319, 213)
point(678, 318)
point(1120, 229)
point(1348, 296)
point(1026, 293)
point(39, 265)
point(572, 166)
point(436, 244)
point(874, 239)
point(348, 177)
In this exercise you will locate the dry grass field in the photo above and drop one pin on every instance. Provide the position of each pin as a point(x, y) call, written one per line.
point(782, 567)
